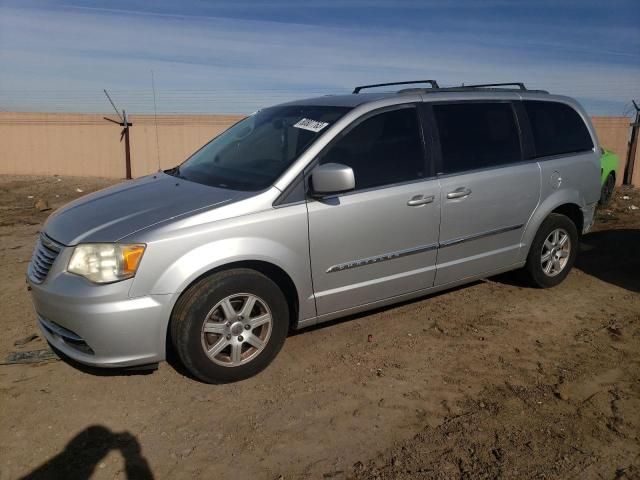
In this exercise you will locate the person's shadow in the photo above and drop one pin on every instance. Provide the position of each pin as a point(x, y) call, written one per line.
point(85, 450)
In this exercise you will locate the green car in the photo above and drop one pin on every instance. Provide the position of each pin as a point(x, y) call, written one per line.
point(608, 167)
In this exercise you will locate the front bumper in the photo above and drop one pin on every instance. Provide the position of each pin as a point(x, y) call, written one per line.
point(100, 325)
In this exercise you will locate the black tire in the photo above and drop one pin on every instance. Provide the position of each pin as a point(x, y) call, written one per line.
point(193, 307)
point(607, 190)
point(533, 269)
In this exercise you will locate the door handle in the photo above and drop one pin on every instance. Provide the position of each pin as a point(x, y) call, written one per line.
point(420, 200)
point(461, 192)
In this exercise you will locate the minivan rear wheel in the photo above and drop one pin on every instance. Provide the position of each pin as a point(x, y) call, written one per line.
point(230, 325)
point(553, 251)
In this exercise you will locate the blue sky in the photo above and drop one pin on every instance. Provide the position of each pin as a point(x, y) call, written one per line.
point(237, 56)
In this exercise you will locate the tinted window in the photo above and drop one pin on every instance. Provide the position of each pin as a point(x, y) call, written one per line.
point(383, 149)
point(253, 153)
point(557, 129)
point(477, 135)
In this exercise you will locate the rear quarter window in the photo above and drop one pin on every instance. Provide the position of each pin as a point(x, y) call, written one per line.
point(557, 129)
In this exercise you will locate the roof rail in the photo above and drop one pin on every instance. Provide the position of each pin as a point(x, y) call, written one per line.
point(520, 85)
point(433, 84)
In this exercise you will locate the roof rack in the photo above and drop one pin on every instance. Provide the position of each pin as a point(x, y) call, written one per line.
point(485, 87)
point(520, 85)
point(433, 84)
point(495, 87)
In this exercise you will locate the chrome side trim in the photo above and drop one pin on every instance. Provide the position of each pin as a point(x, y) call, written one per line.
point(412, 251)
point(456, 241)
point(381, 258)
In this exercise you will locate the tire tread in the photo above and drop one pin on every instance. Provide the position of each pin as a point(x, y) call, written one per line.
point(533, 270)
point(198, 295)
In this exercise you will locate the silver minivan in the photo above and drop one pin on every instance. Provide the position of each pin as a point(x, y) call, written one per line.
point(313, 210)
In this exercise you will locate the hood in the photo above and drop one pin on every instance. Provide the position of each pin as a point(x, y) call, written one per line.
point(118, 211)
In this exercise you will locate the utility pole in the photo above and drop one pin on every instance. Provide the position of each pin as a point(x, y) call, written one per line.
point(124, 122)
point(633, 146)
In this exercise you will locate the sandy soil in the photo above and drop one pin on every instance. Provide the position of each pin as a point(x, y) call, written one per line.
point(494, 380)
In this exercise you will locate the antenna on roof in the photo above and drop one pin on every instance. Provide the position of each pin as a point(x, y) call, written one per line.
point(124, 122)
point(155, 115)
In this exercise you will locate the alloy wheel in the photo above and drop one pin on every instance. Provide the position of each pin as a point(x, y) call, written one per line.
point(236, 329)
point(555, 252)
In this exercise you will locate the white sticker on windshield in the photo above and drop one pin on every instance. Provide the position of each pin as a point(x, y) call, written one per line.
point(312, 125)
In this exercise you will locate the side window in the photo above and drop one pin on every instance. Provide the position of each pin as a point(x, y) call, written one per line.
point(477, 135)
point(383, 149)
point(557, 129)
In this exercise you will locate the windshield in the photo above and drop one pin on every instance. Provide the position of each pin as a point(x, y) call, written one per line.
point(254, 152)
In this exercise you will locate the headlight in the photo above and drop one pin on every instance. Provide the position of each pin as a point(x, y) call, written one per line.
point(105, 262)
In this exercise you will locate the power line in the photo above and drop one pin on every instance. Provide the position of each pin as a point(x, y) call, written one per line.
point(244, 100)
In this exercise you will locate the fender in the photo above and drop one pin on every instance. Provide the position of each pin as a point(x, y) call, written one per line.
point(187, 268)
point(190, 266)
point(553, 201)
point(175, 257)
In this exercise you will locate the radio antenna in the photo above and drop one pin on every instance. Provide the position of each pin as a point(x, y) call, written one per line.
point(155, 114)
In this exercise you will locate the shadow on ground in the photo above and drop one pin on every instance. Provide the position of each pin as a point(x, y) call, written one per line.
point(83, 453)
point(612, 256)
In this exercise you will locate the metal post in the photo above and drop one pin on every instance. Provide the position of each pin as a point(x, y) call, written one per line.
point(124, 122)
point(633, 145)
point(127, 147)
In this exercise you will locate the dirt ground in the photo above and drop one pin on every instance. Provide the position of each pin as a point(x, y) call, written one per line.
point(494, 380)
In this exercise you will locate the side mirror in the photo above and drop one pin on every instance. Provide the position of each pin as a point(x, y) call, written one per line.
point(332, 178)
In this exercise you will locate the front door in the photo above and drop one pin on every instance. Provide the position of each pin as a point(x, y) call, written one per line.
point(488, 192)
point(380, 240)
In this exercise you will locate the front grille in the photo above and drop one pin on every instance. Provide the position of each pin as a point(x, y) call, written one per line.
point(44, 255)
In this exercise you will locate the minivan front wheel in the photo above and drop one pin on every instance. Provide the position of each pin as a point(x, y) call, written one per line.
point(553, 251)
point(236, 329)
point(229, 326)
